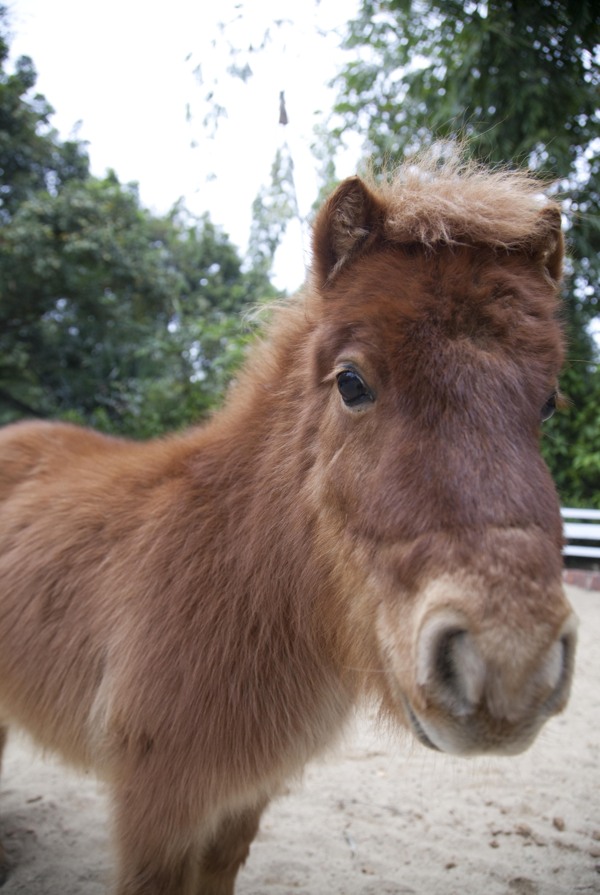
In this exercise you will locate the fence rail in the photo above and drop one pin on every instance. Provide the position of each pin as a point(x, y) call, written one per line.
point(582, 531)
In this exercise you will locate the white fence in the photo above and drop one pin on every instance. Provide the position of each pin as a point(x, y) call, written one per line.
point(582, 526)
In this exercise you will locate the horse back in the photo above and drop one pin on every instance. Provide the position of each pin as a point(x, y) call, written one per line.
point(31, 450)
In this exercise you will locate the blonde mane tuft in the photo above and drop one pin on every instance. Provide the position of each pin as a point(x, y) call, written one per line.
point(441, 196)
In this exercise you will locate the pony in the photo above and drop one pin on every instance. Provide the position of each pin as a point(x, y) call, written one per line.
point(369, 515)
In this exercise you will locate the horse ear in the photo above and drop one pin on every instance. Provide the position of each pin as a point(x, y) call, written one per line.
point(548, 245)
point(350, 220)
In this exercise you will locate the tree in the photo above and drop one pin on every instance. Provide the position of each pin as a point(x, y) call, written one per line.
point(109, 315)
point(112, 316)
point(31, 155)
point(272, 210)
point(520, 80)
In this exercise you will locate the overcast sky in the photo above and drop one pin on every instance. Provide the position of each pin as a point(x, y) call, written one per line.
point(130, 77)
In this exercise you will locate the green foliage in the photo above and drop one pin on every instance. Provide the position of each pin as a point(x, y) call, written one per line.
point(31, 155)
point(576, 463)
point(273, 208)
point(506, 71)
point(112, 315)
point(109, 315)
point(520, 80)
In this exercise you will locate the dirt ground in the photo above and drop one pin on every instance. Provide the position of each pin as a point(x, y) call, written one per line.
point(381, 816)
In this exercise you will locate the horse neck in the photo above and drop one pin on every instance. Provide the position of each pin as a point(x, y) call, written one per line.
point(248, 496)
point(251, 457)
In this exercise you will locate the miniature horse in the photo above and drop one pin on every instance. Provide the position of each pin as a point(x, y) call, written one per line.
point(194, 617)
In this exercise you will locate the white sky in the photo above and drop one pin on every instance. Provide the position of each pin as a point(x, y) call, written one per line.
point(127, 70)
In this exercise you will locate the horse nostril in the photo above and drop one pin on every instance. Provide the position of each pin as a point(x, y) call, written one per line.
point(558, 670)
point(446, 659)
point(451, 669)
point(551, 671)
point(569, 645)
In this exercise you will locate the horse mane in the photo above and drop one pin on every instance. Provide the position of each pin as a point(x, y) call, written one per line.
point(441, 196)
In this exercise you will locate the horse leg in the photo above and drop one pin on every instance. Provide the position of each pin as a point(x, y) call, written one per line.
point(155, 871)
point(3, 857)
point(160, 852)
point(226, 851)
point(154, 852)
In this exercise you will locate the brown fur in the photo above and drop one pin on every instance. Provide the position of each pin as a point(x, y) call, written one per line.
point(194, 617)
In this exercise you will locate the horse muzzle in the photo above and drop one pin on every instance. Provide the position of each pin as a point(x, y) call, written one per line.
point(472, 702)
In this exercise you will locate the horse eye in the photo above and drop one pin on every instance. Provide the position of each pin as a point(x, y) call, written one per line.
point(549, 408)
point(353, 389)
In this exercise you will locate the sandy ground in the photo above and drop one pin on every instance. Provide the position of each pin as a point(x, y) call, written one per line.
point(378, 817)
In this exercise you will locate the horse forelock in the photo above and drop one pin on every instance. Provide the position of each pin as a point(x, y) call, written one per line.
point(442, 196)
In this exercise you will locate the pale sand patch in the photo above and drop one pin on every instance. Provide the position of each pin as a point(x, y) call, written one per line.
point(382, 816)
